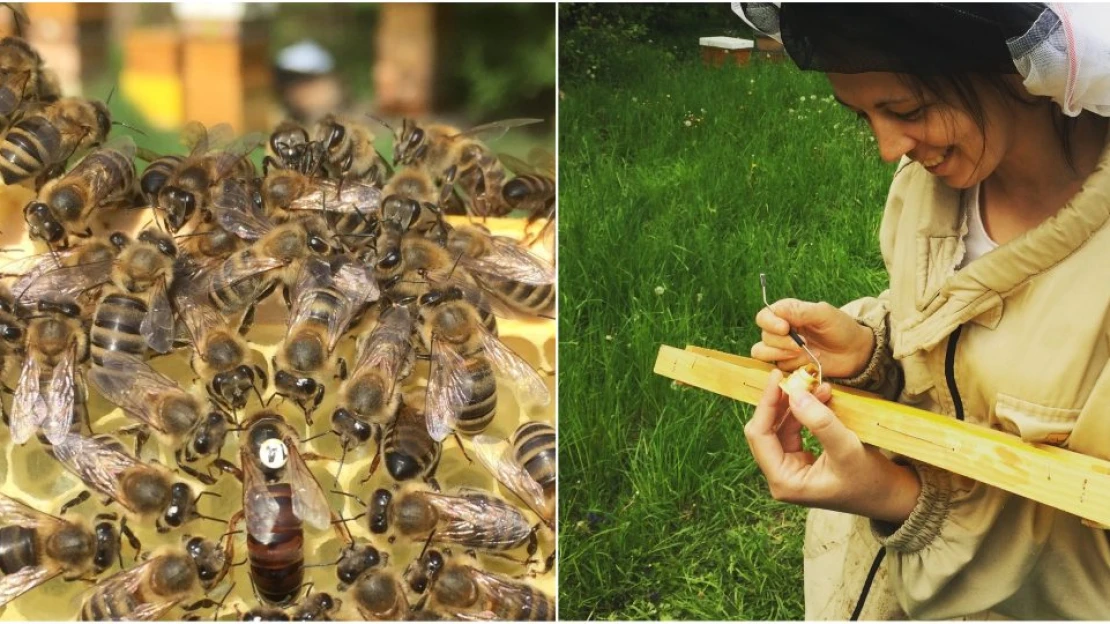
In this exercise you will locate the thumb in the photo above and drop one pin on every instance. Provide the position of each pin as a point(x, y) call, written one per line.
point(834, 437)
point(795, 311)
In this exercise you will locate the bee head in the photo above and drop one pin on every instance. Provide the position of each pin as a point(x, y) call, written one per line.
point(209, 559)
point(354, 561)
point(209, 437)
point(350, 427)
point(181, 507)
point(107, 546)
point(379, 510)
point(41, 223)
point(179, 206)
point(103, 120)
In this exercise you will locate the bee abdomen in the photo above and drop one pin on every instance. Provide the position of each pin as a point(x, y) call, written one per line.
point(18, 549)
point(26, 148)
point(117, 326)
point(534, 299)
point(103, 606)
point(535, 606)
point(409, 451)
point(534, 449)
point(277, 567)
point(479, 412)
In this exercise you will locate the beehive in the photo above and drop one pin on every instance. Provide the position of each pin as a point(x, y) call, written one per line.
point(29, 474)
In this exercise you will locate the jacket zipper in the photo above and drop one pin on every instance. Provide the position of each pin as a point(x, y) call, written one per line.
point(950, 373)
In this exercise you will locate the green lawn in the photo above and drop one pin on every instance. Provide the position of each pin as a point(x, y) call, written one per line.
point(679, 185)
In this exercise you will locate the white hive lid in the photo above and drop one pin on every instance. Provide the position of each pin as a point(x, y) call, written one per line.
point(727, 43)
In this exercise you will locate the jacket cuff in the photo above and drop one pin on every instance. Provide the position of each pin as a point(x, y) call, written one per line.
point(882, 375)
point(927, 517)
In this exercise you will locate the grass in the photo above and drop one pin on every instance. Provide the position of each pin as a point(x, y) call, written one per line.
point(679, 185)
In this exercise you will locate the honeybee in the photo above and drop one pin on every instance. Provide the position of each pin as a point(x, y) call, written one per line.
point(186, 191)
point(220, 356)
point(144, 490)
point(355, 560)
point(149, 590)
point(462, 391)
point(47, 138)
point(322, 309)
point(470, 518)
point(49, 389)
point(287, 147)
point(21, 78)
point(136, 313)
point(156, 174)
point(248, 276)
point(279, 493)
point(408, 448)
point(421, 265)
point(384, 358)
point(36, 547)
point(526, 467)
point(351, 209)
point(13, 332)
point(514, 276)
point(319, 606)
point(349, 152)
point(159, 403)
point(379, 596)
point(104, 179)
point(411, 202)
point(462, 591)
point(75, 273)
point(460, 157)
point(532, 190)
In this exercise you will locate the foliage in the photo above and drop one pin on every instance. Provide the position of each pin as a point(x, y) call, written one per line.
point(608, 40)
point(679, 185)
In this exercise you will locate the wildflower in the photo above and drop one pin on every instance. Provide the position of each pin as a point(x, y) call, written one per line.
point(609, 337)
point(659, 290)
point(813, 97)
point(687, 124)
point(700, 297)
point(703, 111)
point(634, 98)
point(803, 98)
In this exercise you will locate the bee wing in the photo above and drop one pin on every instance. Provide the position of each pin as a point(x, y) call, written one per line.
point(309, 502)
point(496, 129)
point(132, 384)
point(514, 164)
point(478, 519)
point(63, 282)
point(355, 197)
point(237, 213)
point(530, 386)
point(505, 593)
point(542, 159)
point(195, 137)
point(129, 583)
point(238, 150)
point(198, 315)
point(14, 585)
point(497, 456)
point(448, 391)
point(29, 408)
point(28, 268)
point(150, 611)
point(511, 261)
point(237, 270)
point(388, 344)
point(157, 326)
point(314, 273)
point(95, 463)
point(259, 507)
point(15, 513)
point(60, 397)
point(123, 144)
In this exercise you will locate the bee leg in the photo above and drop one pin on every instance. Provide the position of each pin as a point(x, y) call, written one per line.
point(462, 448)
point(76, 500)
point(248, 320)
point(341, 366)
point(141, 433)
point(125, 532)
point(206, 479)
point(226, 466)
point(374, 464)
point(435, 484)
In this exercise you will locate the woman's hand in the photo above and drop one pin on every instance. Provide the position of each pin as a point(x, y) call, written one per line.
point(843, 345)
point(848, 476)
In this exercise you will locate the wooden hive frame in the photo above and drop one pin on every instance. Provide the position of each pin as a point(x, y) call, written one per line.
point(1075, 483)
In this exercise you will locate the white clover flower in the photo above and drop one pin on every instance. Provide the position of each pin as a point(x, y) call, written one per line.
point(659, 290)
point(687, 124)
point(700, 297)
point(633, 98)
point(609, 337)
point(813, 97)
point(803, 98)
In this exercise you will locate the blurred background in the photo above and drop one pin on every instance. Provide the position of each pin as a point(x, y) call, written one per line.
point(253, 64)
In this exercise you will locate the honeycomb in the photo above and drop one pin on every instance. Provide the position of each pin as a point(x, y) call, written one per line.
point(30, 475)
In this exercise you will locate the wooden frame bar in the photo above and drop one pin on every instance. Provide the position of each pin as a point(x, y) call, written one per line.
point(1075, 483)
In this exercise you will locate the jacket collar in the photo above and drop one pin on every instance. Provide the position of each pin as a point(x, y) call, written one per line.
point(946, 298)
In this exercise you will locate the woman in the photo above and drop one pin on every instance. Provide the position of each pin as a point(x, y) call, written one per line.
point(996, 238)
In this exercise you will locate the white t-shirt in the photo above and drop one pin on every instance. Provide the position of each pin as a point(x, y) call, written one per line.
point(977, 242)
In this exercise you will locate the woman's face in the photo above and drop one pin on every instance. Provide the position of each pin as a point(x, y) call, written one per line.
point(943, 138)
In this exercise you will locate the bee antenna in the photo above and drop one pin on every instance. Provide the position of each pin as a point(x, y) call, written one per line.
point(220, 605)
point(427, 542)
point(207, 493)
point(229, 533)
point(213, 519)
point(318, 435)
point(342, 458)
point(129, 127)
point(342, 520)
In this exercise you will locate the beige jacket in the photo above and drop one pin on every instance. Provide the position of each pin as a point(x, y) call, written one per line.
point(1018, 340)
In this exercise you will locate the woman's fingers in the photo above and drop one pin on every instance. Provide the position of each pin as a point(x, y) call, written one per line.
point(834, 437)
point(761, 429)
